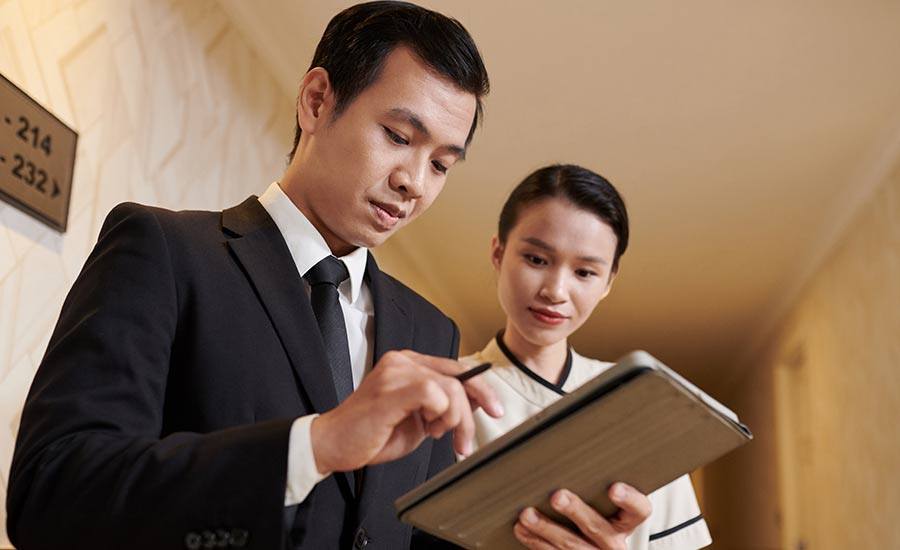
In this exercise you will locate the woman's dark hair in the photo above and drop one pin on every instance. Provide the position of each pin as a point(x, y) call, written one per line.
point(585, 189)
point(358, 40)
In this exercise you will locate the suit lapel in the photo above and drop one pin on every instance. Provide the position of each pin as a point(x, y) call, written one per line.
point(259, 248)
point(261, 251)
point(393, 325)
point(264, 256)
point(393, 331)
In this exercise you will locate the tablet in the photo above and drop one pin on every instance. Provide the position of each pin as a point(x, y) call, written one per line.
point(638, 422)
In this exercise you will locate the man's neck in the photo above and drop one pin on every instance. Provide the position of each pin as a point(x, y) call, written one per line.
point(291, 183)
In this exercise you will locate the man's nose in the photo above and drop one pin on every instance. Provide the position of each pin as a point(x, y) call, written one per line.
point(409, 180)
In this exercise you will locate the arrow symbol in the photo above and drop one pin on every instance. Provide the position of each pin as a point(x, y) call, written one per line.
point(55, 189)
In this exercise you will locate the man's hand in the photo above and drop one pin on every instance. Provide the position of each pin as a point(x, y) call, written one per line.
point(406, 397)
point(538, 532)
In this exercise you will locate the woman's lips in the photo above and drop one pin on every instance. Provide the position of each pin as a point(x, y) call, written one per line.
point(547, 316)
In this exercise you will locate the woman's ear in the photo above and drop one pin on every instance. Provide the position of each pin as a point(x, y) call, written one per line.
point(612, 277)
point(315, 100)
point(496, 252)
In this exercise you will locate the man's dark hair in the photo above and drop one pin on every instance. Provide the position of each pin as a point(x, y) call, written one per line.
point(358, 40)
point(585, 189)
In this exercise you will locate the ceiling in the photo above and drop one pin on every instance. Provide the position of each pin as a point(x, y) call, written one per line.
point(744, 136)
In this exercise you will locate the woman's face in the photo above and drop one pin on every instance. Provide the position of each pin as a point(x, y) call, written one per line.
point(553, 270)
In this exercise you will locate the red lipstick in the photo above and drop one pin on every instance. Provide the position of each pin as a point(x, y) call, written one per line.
point(547, 316)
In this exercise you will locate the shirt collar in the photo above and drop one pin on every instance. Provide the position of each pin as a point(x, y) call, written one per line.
point(306, 244)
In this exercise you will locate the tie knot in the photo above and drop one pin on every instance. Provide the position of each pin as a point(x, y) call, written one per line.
point(329, 270)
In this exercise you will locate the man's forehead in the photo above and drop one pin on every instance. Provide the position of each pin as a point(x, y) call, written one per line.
point(407, 87)
point(403, 67)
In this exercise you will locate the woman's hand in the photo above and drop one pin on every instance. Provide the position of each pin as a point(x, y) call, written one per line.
point(538, 532)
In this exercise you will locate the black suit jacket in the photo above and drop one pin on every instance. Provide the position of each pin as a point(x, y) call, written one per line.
point(159, 417)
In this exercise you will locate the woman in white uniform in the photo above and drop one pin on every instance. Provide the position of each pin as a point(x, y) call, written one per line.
point(556, 253)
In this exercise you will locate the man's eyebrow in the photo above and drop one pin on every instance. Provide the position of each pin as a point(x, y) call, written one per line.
point(546, 246)
point(413, 120)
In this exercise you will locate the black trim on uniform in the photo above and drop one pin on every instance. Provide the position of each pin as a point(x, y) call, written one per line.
point(558, 388)
point(671, 530)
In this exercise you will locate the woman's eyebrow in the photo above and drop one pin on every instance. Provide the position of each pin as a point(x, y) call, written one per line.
point(549, 248)
point(539, 243)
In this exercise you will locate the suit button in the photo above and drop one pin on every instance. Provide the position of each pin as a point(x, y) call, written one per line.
point(362, 539)
point(223, 538)
point(239, 538)
point(209, 539)
point(192, 541)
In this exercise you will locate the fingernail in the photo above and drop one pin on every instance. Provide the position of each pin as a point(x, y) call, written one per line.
point(561, 501)
point(498, 408)
point(618, 492)
point(529, 517)
point(467, 447)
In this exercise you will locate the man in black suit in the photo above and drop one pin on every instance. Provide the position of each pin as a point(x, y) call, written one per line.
point(189, 396)
point(186, 399)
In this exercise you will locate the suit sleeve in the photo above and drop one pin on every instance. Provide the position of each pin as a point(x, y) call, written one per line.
point(91, 469)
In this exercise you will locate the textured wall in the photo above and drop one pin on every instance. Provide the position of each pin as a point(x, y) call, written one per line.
point(172, 108)
point(824, 399)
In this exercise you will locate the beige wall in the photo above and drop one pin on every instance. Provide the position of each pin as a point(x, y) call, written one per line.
point(171, 107)
point(823, 400)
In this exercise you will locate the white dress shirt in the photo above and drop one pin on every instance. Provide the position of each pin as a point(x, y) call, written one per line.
point(308, 247)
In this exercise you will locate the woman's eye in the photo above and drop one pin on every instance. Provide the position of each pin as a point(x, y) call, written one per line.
point(393, 136)
point(536, 260)
point(439, 167)
point(584, 273)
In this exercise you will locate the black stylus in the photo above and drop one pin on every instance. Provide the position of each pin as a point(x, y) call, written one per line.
point(474, 371)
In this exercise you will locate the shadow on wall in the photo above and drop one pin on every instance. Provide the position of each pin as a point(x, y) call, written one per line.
point(824, 470)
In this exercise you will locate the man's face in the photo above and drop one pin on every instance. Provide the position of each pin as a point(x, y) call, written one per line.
point(382, 162)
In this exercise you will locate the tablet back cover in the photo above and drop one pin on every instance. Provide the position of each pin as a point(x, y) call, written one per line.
point(632, 423)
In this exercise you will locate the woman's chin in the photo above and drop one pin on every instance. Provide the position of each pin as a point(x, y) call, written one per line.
point(545, 336)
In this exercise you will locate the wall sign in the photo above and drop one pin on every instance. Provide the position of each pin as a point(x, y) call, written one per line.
point(37, 157)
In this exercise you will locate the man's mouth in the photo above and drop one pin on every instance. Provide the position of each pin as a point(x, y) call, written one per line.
point(387, 214)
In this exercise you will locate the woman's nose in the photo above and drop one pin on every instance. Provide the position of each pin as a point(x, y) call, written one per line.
point(554, 289)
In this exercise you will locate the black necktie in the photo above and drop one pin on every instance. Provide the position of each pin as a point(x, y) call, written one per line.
point(324, 278)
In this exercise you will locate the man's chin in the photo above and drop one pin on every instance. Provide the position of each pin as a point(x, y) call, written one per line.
point(372, 239)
